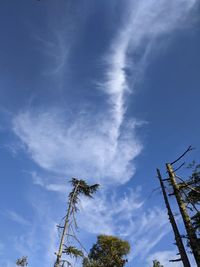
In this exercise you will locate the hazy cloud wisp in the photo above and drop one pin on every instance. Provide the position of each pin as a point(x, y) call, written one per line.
point(103, 149)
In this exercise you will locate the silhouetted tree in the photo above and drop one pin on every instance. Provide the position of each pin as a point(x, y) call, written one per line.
point(22, 261)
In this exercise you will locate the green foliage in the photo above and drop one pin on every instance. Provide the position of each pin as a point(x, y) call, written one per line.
point(73, 252)
point(192, 193)
point(196, 221)
point(22, 261)
point(193, 196)
point(90, 263)
point(109, 251)
point(157, 264)
point(80, 187)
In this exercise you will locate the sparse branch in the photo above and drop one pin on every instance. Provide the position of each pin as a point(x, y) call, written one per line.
point(178, 168)
point(79, 242)
point(79, 187)
point(187, 185)
point(193, 205)
point(192, 237)
point(189, 149)
point(22, 261)
point(172, 220)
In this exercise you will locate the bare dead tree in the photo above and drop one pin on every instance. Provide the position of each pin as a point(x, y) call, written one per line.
point(179, 242)
point(191, 233)
point(79, 187)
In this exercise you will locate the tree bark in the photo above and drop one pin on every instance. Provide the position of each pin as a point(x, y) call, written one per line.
point(177, 235)
point(186, 218)
point(60, 251)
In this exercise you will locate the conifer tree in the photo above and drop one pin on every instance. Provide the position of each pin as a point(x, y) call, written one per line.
point(23, 261)
point(157, 264)
point(193, 240)
point(192, 195)
point(109, 251)
point(79, 188)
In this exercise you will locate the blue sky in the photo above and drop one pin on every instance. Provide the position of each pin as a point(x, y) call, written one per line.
point(102, 90)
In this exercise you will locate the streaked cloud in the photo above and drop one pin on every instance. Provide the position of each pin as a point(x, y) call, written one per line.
point(81, 148)
point(18, 218)
point(40, 238)
point(56, 50)
point(107, 212)
point(102, 146)
point(127, 217)
point(44, 182)
point(145, 21)
point(164, 257)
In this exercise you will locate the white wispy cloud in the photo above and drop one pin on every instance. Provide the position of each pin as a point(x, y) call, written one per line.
point(51, 244)
point(57, 50)
point(146, 20)
point(103, 147)
point(44, 182)
point(18, 218)
point(164, 257)
point(127, 217)
point(151, 227)
point(39, 241)
point(101, 212)
point(80, 148)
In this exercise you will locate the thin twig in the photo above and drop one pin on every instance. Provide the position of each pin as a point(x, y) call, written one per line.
point(192, 188)
point(179, 167)
point(193, 205)
point(152, 192)
point(74, 218)
point(189, 149)
point(74, 236)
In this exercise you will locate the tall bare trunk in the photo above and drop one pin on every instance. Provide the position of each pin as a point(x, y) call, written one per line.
point(60, 250)
point(186, 218)
point(177, 235)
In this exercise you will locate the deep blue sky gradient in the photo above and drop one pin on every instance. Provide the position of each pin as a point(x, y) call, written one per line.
point(36, 36)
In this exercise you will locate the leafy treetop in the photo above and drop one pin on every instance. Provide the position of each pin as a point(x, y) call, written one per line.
point(157, 264)
point(109, 251)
